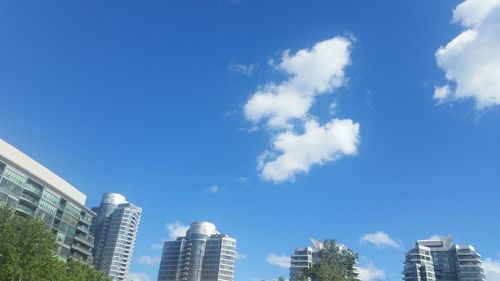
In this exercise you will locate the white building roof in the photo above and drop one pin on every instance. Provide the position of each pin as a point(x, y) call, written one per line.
point(39, 172)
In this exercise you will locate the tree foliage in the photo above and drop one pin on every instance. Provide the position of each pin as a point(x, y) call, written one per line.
point(26, 253)
point(333, 264)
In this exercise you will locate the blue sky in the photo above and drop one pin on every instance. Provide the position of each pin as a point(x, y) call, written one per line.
point(157, 100)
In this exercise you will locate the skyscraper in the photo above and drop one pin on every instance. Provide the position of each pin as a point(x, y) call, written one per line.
point(33, 191)
point(115, 229)
point(203, 254)
point(440, 260)
point(306, 257)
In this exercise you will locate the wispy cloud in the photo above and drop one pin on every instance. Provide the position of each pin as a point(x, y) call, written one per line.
point(137, 276)
point(245, 69)
point(380, 239)
point(212, 189)
point(240, 256)
point(149, 260)
point(156, 246)
point(281, 261)
point(176, 229)
point(437, 237)
point(244, 180)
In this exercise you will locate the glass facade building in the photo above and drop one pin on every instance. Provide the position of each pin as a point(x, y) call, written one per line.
point(202, 255)
point(440, 260)
point(34, 191)
point(115, 229)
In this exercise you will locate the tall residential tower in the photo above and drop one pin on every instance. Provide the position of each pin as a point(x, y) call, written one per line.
point(115, 230)
point(33, 191)
point(203, 254)
point(440, 260)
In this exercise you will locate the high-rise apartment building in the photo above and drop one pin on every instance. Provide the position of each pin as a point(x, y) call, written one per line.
point(115, 230)
point(440, 260)
point(34, 191)
point(203, 254)
point(306, 257)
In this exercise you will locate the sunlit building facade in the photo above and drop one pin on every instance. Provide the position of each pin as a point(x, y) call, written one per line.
point(33, 191)
point(203, 254)
point(440, 260)
point(115, 229)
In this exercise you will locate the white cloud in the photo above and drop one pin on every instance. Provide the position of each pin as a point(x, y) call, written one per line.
point(149, 260)
point(492, 269)
point(442, 93)
point(212, 189)
point(138, 277)
point(380, 239)
point(284, 108)
point(370, 273)
point(240, 256)
point(281, 261)
point(311, 72)
point(317, 145)
point(176, 229)
point(470, 61)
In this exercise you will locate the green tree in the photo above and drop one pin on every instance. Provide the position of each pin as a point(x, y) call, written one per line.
point(333, 264)
point(82, 272)
point(27, 253)
point(25, 247)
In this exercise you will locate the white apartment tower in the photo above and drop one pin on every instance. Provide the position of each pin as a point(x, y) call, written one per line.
point(203, 254)
point(115, 231)
point(440, 260)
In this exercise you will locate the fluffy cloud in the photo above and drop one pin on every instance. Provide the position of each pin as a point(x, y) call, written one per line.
point(138, 277)
point(176, 229)
point(470, 61)
point(370, 273)
point(492, 269)
point(299, 141)
point(281, 261)
point(380, 239)
point(311, 72)
point(317, 145)
point(149, 260)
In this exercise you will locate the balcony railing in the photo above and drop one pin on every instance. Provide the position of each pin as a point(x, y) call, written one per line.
point(30, 199)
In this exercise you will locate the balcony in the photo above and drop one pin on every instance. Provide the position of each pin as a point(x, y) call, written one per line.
point(81, 249)
point(88, 240)
point(82, 228)
point(25, 210)
point(86, 220)
point(32, 190)
point(32, 201)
